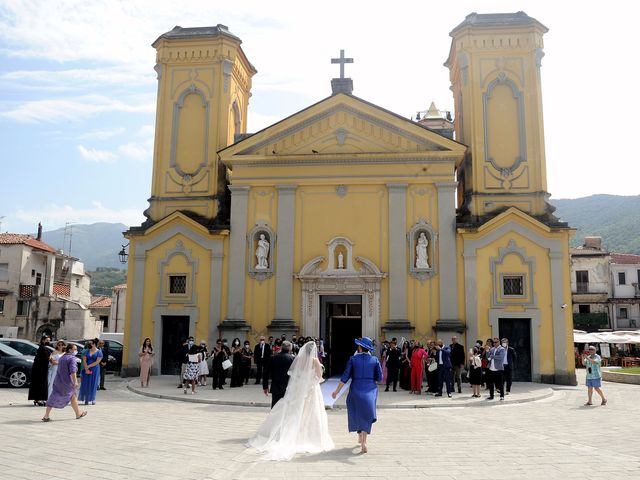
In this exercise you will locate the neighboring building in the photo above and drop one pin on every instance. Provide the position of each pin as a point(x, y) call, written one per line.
point(604, 286)
point(590, 285)
point(625, 301)
point(437, 121)
point(340, 220)
point(100, 307)
point(118, 309)
point(43, 290)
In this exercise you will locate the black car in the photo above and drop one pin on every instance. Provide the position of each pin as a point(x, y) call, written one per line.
point(115, 348)
point(15, 368)
point(25, 347)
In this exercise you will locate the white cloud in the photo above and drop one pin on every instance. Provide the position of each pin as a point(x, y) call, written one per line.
point(102, 134)
point(137, 151)
point(70, 79)
point(55, 216)
point(98, 156)
point(76, 108)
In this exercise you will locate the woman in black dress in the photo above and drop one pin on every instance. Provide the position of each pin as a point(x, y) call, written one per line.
point(39, 387)
point(236, 353)
point(247, 355)
point(432, 374)
point(405, 366)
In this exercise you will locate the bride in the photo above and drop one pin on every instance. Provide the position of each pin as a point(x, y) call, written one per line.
point(298, 422)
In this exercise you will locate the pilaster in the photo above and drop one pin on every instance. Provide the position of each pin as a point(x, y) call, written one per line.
point(397, 257)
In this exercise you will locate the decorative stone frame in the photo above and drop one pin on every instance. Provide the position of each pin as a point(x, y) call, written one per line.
point(365, 282)
point(412, 237)
point(189, 298)
point(498, 299)
point(252, 241)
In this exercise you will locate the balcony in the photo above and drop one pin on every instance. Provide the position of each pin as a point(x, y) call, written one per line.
point(636, 288)
point(627, 323)
point(28, 291)
point(590, 321)
point(62, 289)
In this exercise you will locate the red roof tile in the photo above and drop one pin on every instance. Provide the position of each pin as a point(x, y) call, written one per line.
point(21, 239)
point(100, 302)
point(625, 258)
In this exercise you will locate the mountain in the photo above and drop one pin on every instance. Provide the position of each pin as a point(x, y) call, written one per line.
point(614, 218)
point(96, 245)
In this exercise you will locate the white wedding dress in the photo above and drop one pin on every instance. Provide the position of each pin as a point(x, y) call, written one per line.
point(297, 423)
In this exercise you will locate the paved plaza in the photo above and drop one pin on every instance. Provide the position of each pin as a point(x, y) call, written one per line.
point(130, 436)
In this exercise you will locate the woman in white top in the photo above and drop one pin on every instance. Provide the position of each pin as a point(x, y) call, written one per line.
point(297, 423)
point(53, 363)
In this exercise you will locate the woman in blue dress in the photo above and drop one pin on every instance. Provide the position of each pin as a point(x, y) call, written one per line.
point(90, 376)
point(365, 372)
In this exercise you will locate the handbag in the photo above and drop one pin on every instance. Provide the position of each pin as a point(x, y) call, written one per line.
point(227, 364)
point(433, 366)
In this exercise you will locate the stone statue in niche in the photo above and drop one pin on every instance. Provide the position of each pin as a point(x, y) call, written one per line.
point(422, 260)
point(262, 253)
point(340, 261)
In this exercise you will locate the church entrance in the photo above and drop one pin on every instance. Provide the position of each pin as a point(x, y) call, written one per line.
point(518, 331)
point(340, 325)
point(175, 329)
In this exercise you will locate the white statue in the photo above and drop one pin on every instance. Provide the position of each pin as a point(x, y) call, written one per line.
point(340, 261)
point(262, 252)
point(421, 251)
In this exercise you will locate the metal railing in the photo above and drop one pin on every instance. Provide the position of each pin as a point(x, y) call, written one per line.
point(599, 320)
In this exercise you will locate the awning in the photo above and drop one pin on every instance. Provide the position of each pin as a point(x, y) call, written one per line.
point(580, 336)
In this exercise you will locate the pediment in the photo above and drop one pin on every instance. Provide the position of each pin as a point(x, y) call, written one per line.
point(342, 125)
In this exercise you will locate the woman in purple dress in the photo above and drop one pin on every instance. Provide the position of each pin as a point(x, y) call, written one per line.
point(65, 384)
point(90, 376)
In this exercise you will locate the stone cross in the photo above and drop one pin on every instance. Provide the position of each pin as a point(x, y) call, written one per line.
point(342, 61)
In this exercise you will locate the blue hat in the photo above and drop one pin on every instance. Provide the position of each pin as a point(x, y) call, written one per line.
point(366, 343)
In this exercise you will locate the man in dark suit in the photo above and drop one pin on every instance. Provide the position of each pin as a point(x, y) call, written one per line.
point(103, 362)
point(509, 364)
point(443, 357)
point(457, 361)
point(392, 362)
point(279, 372)
point(261, 356)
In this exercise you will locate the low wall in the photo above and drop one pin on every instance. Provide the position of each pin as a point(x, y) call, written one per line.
point(619, 377)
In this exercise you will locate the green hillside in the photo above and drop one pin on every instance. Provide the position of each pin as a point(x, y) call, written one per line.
point(614, 218)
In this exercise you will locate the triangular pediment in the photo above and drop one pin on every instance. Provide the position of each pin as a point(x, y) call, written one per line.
point(342, 125)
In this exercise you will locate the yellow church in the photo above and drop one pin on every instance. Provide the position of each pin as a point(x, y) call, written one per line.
point(346, 219)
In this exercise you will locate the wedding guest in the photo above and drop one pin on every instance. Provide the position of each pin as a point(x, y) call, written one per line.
point(365, 372)
point(322, 354)
point(261, 356)
point(219, 355)
point(65, 384)
point(277, 346)
point(90, 375)
point(204, 368)
point(245, 367)
point(405, 366)
point(392, 362)
point(509, 364)
point(181, 357)
point(457, 362)
point(192, 370)
point(592, 361)
point(432, 368)
point(443, 357)
point(486, 373)
point(383, 361)
point(54, 359)
point(418, 357)
point(475, 371)
point(278, 373)
point(103, 364)
point(495, 357)
point(236, 355)
point(39, 388)
point(145, 355)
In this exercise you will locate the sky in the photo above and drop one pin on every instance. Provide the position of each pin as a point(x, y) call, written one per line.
point(78, 89)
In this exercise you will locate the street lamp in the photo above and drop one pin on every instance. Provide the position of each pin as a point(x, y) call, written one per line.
point(123, 254)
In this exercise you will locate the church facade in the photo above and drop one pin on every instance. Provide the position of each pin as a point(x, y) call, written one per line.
point(346, 219)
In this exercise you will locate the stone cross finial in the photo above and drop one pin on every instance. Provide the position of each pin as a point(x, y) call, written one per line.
point(342, 60)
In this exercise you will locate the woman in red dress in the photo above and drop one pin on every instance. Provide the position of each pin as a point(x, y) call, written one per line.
point(418, 356)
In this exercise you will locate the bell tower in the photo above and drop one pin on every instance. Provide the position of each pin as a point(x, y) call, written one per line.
point(494, 64)
point(204, 84)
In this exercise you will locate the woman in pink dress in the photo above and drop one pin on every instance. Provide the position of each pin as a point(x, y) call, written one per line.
point(65, 384)
point(146, 360)
point(418, 356)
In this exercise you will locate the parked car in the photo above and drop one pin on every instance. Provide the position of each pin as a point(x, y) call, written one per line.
point(25, 347)
point(15, 368)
